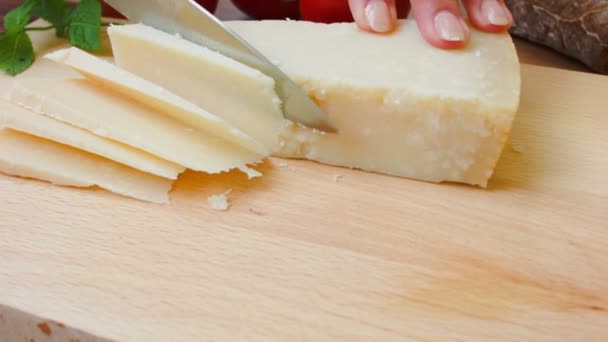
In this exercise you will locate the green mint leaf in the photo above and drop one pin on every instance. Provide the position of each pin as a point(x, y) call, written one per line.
point(16, 52)
point(56, 12)
point(16, 20)
point(84, 29)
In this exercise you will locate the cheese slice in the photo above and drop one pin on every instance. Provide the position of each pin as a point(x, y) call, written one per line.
point(241, 95)
point(402, 106)
point(28, 156)
point(139, 89)
point(26, 121)
point(87, 105)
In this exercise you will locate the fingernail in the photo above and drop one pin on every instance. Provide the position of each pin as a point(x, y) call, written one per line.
point(378, 15)
point(496, 13)
point(449, 26)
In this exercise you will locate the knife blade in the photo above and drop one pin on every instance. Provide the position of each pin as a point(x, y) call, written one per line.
point(194, 23)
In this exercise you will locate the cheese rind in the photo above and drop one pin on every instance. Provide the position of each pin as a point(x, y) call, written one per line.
point(402, 106)
point(26, 121)
point(84, 104)
point(139, 89)
point(241, 95)
point(28, 156)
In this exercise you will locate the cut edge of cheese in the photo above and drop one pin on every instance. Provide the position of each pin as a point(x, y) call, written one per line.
point(241, 95)
point(151, 94)
point(42, 126)
point(27, 156)
point(84, 104)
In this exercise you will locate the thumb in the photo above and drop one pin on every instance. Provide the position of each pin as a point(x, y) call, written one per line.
point(374, 15)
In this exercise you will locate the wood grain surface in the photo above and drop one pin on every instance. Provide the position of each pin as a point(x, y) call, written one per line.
point(312, 252)
point(301, 256)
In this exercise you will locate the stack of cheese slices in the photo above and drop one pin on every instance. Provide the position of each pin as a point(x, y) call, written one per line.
point(165, 105)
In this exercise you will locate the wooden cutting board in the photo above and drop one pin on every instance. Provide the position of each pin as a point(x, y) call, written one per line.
point(313, 252)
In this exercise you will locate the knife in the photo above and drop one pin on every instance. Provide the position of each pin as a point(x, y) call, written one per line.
point(194, 23)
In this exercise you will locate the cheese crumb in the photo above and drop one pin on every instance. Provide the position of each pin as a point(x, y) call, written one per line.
point(338, 178)
point(282, 165)
point(219, 202)
point(251, 173)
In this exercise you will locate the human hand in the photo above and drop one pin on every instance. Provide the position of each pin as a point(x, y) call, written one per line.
point(441, 22)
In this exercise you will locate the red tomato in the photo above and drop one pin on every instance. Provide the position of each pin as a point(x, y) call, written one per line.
point(326, 11)
point(403, 8)
point(268, 9)
point(108, 12)
point(210, 5)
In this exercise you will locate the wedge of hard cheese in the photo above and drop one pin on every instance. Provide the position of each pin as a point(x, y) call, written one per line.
point(239, 94)
point(139, 89)
point(90, 106)
point(26, 121)
point(403, 107)
point(28, 156)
